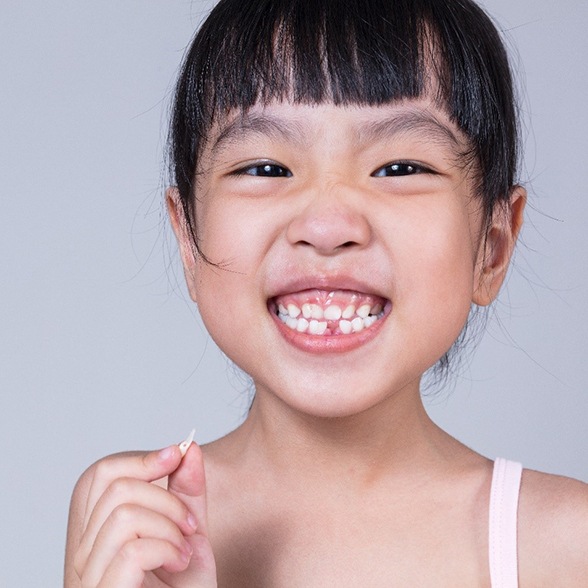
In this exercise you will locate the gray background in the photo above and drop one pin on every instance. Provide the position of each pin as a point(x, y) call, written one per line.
point(100, 350)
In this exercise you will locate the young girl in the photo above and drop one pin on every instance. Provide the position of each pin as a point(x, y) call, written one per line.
point(344, 192)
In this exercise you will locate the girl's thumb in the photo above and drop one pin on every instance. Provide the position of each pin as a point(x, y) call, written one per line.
point(189, 485)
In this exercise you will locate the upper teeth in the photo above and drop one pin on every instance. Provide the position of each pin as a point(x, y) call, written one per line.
point(332, 313)
point(314, 319)
point(311, 311)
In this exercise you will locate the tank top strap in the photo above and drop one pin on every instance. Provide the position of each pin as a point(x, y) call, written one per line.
point(502, 543)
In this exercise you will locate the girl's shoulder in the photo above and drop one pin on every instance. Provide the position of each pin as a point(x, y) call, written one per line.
point(553, 530)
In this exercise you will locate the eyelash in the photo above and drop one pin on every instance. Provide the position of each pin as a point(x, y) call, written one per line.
point(400, 169)
point(265, 170)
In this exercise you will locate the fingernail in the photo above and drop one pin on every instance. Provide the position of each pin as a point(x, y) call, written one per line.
point(192, 523)
point(186, 551)
point(166, 453)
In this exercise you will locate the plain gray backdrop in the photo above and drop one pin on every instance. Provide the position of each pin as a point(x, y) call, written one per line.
point(100, 349)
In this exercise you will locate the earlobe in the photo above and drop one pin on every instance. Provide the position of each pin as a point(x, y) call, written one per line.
point(184, 237)
point(497, 249)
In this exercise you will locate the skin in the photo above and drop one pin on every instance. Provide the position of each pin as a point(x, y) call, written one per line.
point(337, 477)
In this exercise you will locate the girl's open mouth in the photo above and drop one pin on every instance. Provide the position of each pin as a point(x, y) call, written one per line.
point(329, 312)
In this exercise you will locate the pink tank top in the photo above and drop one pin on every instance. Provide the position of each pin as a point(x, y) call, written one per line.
point(502, 543)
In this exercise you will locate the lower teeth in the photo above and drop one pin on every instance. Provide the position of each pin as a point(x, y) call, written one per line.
point(341, 327)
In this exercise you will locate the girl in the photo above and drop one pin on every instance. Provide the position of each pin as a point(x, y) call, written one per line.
point(344, 193)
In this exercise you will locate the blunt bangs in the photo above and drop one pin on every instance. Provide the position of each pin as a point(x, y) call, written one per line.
point(349, 52)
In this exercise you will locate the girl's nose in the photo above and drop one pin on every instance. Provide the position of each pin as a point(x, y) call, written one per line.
point(331, 223)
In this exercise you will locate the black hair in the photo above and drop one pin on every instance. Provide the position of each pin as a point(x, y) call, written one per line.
point(349, 52)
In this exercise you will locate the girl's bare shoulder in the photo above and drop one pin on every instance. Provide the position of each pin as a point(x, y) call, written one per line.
point(553, 530)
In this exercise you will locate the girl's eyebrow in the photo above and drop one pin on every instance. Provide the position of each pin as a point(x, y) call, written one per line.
point(254, 123)
point(420, 124)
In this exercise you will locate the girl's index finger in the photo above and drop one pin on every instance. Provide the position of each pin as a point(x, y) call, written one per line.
point(146, 466)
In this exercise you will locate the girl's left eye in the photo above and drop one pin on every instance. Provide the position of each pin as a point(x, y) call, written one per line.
point(266, 170)
point(399, 169)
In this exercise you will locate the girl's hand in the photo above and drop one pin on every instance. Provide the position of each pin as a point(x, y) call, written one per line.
point(135, 533)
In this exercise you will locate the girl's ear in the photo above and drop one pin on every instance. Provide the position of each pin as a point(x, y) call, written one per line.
point(496, 251)
point(184, 237)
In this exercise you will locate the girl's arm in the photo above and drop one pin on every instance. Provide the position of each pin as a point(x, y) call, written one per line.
point(123, 527)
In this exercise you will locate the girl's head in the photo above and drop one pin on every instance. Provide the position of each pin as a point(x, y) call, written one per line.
point(350, 154)
point(357, 52)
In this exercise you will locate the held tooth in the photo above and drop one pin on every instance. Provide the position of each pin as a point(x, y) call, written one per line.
point(357, 324)
point(345, 326)
point(363, 310)
point(348, 312)
point(306, 310)
point(376, 309)
point(185, 445)
point(302, 325)
point(282, 309)
point(316, 312)
point(293, 310)
point(332, 312)
point(321, 328)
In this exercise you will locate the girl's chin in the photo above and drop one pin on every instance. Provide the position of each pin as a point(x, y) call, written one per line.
point(335, 393)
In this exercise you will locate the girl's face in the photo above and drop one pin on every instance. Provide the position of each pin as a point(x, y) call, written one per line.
point(348, 247)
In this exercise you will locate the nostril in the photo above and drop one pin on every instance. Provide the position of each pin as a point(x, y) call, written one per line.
point(345, 245)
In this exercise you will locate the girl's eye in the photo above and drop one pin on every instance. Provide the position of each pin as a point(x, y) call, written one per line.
point(266, 170)
point(399, 169)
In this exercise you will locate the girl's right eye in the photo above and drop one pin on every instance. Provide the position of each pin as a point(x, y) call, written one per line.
point(265, 170)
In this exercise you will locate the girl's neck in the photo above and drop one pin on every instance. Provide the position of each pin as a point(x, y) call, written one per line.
point(392, 438)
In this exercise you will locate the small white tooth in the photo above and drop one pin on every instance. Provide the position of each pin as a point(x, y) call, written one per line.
point(332, 312)
point(306, 310)
point(313, 326)
point(293, 310)
point(185, 445)
point(345, 326)
point(291, 322)
point(357, 324)
point(363, 310)
point(321, 328)
point(302, 325)
point(368, 321)
point(376, 309)
point(283, 317)
point(282, 309)
point(348, 312)
point(316, 312)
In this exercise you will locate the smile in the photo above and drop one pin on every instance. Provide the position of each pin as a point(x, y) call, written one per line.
point(329, 313)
